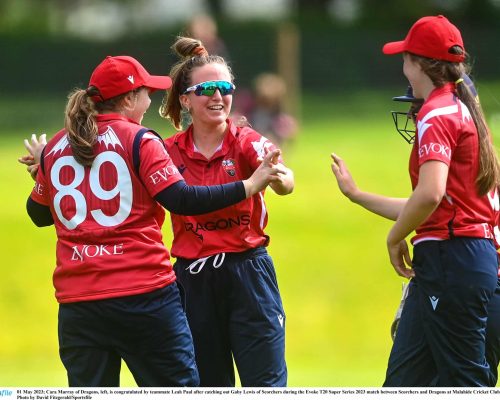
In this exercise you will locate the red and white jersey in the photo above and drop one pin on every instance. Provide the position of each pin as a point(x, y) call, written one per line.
point(109, 240)
point(235, 228)
point(447, 133)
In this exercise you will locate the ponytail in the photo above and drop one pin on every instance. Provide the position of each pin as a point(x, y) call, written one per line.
point(442, 72)
point(488, 176)
point(81, 125)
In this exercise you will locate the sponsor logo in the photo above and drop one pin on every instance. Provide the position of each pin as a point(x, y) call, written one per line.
point(229, 166)
point(220, 224)
point(38, 188)
point(163, 174)
point(434, 148)
point(488, 234)
point(131, 79)
point(434, 301)
point(281, 319)
point(80, 253)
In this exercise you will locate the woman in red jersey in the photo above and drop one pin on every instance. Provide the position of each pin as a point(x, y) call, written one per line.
point(233, 304)
point(100, 182)
point(405, 125)
point(454, 173)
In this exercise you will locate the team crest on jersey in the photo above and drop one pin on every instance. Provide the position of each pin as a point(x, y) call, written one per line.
point(229, 166)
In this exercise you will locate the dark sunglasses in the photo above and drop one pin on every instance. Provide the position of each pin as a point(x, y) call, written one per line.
point(209, 88)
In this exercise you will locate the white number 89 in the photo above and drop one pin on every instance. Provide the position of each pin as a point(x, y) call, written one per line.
point(123, 188)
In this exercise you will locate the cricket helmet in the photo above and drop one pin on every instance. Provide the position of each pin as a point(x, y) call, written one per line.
point(405, 121)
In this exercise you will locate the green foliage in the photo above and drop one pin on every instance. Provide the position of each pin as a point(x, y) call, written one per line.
point(339, 291)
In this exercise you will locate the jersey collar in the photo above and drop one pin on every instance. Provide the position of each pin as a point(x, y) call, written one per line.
point(186, 142)
point(114, 117)
point(446, 88)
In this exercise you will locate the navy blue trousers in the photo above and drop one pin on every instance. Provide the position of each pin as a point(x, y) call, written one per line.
point(442, 332)
point(234, 309)
point(148, 331)
point(493, 334)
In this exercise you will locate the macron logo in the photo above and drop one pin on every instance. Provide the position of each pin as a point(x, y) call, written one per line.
point(434, 301)
point(131, 79)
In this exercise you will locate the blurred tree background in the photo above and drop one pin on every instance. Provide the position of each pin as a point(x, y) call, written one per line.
point(339, 291)
point(51, 45)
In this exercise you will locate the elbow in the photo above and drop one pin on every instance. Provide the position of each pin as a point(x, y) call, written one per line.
point(41, 221)
point(283, 190)
point(286, 186)
point(42, 224)
point(432, 199)
point(287, 189)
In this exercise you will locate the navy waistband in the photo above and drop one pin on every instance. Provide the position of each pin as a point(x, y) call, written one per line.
point(257, 251)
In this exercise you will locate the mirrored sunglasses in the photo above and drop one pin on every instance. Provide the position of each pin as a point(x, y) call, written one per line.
point(209, 88)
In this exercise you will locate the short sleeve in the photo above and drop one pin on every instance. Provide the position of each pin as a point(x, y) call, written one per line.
point(255, 147)
point(40, 192)
point(436, 139)
point(157, 170)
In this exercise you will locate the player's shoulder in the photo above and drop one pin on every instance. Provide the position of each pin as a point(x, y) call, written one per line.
point(57, 136)
point(245, 135)
point(175, 138)
point(252, 144)
point(444, 107)
point(57, 143)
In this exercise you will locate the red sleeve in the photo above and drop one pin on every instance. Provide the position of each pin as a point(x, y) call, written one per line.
point(255, 147)
point(437, 140)
point(157, 171)
point(40, 192)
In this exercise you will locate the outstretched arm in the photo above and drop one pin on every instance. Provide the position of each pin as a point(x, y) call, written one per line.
point(387, 207)
point(183, 199)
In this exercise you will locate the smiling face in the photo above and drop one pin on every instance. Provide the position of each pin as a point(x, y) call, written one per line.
point(208, 111)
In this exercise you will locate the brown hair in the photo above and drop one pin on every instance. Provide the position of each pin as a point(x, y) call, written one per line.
point(81, 124)
point(192, 55)
point(441, 72)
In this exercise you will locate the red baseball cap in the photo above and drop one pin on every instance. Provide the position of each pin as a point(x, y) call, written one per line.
point(121, 74)
point(430, 37)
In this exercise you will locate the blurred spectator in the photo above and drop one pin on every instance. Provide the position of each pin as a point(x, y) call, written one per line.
point(266, 114)
point(203, 27)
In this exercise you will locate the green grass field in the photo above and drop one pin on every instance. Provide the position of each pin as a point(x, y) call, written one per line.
point(339, 290)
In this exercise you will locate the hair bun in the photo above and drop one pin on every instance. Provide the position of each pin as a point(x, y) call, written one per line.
point(200, 51)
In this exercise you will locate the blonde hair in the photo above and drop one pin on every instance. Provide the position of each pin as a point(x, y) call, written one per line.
point(192, 55)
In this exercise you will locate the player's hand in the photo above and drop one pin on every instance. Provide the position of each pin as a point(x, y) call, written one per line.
point(344, 178)
point(33, 170)
point(35, 146)
point(268, 171)
point(31, 166)
point(400, 258)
